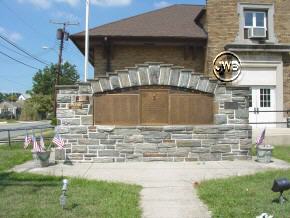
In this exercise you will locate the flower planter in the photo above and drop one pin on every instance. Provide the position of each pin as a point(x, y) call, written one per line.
point(41, 159)
point(264, 153)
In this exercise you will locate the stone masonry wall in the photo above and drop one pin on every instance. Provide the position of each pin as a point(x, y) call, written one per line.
point(228, 138)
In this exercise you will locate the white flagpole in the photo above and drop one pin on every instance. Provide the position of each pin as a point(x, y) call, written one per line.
point(87, 40)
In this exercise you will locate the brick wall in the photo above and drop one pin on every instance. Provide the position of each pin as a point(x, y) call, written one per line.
point(129, 56)
point(223, 27)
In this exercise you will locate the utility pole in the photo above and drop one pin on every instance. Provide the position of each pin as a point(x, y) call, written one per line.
point(61, 35)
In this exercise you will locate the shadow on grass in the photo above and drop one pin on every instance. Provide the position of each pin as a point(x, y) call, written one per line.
point(8, 179)
point(71, 207)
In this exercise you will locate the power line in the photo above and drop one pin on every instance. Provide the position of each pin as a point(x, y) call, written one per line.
point(18, 60)
point(31, 27)
point(12, 81)
point(22, 20)
point(16, 46)
point(16, 52)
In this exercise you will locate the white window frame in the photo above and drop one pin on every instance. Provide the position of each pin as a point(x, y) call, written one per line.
point(255, 19)
point(268, 8)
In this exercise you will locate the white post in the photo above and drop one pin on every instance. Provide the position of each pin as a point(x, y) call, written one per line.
point(87, 40)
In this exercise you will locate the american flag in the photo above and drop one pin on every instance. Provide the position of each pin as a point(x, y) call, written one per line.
point(57, 140)
point(36, 146)
point(41, 143)
point(27, 141)
point(261, 138)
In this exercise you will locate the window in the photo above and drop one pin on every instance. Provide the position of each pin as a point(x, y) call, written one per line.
point(265, 98)
point(250, 99)
point(256, 19)
point(256, 16)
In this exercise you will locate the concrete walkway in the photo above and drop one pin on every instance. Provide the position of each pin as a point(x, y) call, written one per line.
point(168, 190)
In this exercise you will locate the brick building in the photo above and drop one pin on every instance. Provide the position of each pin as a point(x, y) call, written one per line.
point(191, 36)
point(154, 96)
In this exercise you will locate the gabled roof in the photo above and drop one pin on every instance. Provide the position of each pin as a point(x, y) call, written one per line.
point(6, 104)
point(176, 21)
point(25, 96)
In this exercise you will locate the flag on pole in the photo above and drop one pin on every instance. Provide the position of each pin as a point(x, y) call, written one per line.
point(57, 140)
point(41, 143)
point(27, 141)
point(36, 146)
point(261, 138)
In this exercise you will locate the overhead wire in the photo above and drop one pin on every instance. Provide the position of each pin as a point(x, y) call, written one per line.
point(12, 50)
point(31, 27)
point(12, 81)
point(21, 49)
point(18, 60)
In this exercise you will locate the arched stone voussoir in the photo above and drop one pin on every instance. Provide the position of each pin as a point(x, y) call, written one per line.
point(154, 73)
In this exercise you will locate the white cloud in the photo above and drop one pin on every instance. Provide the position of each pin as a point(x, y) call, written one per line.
point(43, 4)
point(72, 3)
point(161, 4)
point(65, 16)
point(108, 3)
point(13, 36)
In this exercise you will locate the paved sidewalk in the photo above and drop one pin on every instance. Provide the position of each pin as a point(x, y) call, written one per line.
point(168, 190)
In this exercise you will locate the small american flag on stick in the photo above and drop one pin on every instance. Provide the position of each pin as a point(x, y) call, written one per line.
point(57, 140)
point(261, 138)
point(41, 143)
point(36, 146)
point(27, 141)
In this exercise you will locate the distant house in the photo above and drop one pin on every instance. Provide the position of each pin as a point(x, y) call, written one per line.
point(24, 97)
point(10, 109)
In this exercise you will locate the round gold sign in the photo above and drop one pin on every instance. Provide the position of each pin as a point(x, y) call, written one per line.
point(227, 66)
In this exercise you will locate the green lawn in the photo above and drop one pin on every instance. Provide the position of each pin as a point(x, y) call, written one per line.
point(28, 195)
point(282, 152)
point(35, 196)
point(245, 196)
point(10, 157)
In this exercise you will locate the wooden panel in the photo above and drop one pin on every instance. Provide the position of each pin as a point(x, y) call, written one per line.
point(103, 110)
point(126, 109)
point(191, 109)
point(154, 107)
point(119, 109)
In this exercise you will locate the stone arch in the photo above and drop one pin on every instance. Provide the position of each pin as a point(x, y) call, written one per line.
point(153, 73)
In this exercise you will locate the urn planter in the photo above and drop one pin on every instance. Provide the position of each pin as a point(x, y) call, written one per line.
point(264, 153)
point(41, 159)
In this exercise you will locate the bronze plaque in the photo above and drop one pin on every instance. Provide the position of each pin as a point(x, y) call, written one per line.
point(186, 109)
point(154, 107)
point(82, 98)
point(116, 109)
point(76, 105)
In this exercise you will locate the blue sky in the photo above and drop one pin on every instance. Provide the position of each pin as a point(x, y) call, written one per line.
point(26, 22)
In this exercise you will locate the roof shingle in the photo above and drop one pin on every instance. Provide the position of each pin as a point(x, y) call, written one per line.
point(177, 21)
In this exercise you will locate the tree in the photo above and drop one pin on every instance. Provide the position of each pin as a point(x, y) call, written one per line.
point(44, 80)
point(42, 93)
point(36, 107)
point(1, 97)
